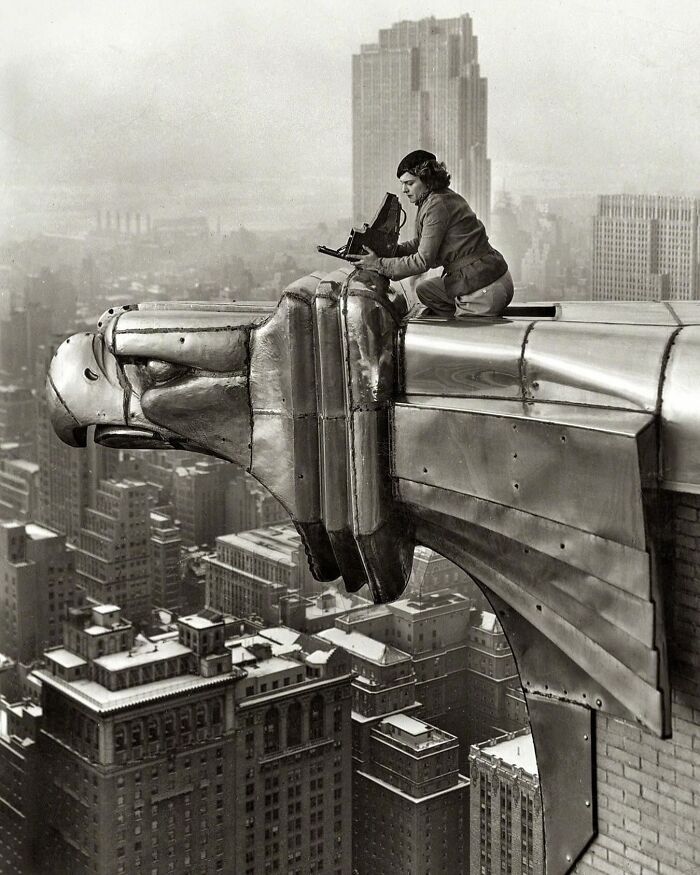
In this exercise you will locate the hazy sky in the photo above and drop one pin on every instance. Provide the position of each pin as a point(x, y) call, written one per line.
point(583, 94)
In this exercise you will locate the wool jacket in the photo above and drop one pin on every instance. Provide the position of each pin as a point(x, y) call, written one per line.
point(447, 232)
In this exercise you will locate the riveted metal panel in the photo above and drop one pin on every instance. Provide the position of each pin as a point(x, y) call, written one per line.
point(331, 404)
point(369, 336)
point(611, 365)
point(282, 360)
point(464, 358)
point(623, 567)
point(284, 459)
point(499, 564)
point(680, 414)
point(564, 746)
point(534, 465)
point(214, 412)
point(207, 341)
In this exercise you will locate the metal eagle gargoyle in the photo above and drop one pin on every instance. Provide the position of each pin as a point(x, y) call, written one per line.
point(534, 451)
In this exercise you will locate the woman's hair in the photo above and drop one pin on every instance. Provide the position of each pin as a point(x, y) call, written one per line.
point(432, 174)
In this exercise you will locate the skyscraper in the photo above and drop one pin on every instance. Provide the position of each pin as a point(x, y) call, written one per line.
point(412, 786)
point(114, 551)
point(166, 544)
point(419, 86)
point(646, 247)
point(37, 586)
point(506, 807)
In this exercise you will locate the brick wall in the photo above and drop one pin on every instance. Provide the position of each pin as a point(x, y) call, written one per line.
point(649, 789)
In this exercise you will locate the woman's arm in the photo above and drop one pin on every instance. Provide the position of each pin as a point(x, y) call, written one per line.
point(425, 255)
point(407, 248)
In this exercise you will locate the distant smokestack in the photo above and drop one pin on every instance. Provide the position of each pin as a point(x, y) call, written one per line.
point(128, 223)
point(119, 222)
point(99, 219)
point(108, 220)
point(138, 223)
point(148, 223)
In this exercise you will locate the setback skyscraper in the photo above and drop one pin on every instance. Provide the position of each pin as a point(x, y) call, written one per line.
point(419, 86)
point(646, 248)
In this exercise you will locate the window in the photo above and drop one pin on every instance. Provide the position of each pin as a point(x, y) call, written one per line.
point(271, 733)
point(316, 717)
point(294, 724)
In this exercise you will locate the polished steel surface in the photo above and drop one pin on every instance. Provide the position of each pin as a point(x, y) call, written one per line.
point(464, 358)
point(680, 414)
point(530, 450)
point(533, 464)
point(614, 565)
point(607, 365)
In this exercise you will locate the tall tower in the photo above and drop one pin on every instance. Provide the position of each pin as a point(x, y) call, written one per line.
point(420, 86)
point(646, 247)
point(112, 557)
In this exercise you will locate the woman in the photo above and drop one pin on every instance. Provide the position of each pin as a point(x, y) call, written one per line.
point(475, 278)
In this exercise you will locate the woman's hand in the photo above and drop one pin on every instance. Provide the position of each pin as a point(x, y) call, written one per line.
point(368, 260)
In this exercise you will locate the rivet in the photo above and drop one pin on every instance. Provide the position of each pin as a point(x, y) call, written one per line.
point(182, 340)
point(588, 804)
point(425, 470)
point(516, 486)
point(515, 455)
point(539, 607)
point(535, 385)
point(568, 858)
point(562, 546)
point(585, 737)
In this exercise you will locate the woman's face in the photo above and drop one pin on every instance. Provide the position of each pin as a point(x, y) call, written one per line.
point(412, 187)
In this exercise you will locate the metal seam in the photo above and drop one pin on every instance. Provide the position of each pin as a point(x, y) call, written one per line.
point(659, 399)
point(60, 398)
point(521, 361)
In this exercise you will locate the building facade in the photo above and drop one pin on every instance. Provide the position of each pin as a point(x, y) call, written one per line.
point(419, 86)
point(251, 572)
point(113, 558)
point(492, 675)
point(38, 585)
point(199, 499)
point(646, 247)
point(20, 789)
point(185, 755)
point(166, 549)
point(411, 803)
point(505, 807)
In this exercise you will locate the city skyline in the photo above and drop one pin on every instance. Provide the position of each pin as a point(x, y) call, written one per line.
point(181, 96)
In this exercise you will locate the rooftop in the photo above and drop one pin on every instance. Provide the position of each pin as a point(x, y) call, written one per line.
point(489, 623)
point(64, 657)
point(99, 698)
point(431, 602)
point(364, 646)
point(105, 609)
point(197, 621)
point(518, 751)
point(272, 665)
point(414, 733)
point(142, 653)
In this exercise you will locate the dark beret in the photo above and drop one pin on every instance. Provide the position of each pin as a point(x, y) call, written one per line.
point(413, 159)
